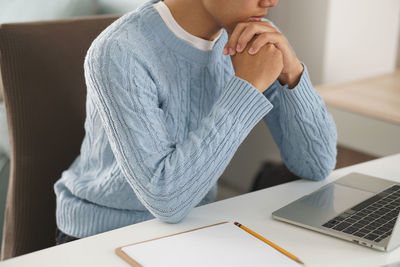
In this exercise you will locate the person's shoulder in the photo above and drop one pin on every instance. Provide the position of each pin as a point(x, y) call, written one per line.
point(126, 30)
point(124, 43)
point(131, 30)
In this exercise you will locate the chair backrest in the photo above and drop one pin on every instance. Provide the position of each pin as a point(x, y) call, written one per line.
point(44, 91)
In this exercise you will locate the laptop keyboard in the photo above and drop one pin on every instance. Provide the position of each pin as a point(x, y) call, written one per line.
point(372, 219)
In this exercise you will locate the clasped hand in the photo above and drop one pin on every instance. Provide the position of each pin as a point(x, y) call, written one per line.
point(253, 37)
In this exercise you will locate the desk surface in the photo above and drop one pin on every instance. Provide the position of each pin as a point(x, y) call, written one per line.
point(252, 210)
point(377, 97)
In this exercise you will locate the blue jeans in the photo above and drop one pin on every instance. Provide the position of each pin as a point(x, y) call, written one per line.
point(62, 238)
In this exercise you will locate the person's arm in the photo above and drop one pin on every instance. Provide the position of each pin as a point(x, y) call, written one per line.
point(168, 177)
point(302, 128)
point(304, 132)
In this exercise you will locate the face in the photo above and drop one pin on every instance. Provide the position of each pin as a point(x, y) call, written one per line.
point(227, 13)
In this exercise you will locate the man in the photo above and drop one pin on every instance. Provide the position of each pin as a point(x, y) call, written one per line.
point(173, 89)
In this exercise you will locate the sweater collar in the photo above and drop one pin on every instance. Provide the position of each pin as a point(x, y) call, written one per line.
point(156, 25)
point(173, 25)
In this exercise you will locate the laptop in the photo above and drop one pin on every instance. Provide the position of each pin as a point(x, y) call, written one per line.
point(359, 208)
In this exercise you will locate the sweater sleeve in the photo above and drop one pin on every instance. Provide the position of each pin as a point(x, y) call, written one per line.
point(302, 128)
point(168, 177)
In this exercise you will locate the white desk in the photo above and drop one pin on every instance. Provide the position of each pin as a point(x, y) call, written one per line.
point(252, 210)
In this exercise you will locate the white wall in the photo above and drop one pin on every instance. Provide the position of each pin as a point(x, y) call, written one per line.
point(303, 22)
point(341, 40)
point(398, 47)
point(361, 39)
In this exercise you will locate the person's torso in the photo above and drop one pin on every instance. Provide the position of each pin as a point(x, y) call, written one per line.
point(187, 93)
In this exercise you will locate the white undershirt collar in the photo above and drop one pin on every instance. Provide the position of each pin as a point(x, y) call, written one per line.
point(169, 20)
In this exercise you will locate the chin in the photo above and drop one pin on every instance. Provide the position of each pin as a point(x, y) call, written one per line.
point(230, 26)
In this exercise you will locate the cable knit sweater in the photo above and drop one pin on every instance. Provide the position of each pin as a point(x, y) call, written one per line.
point(164, 119)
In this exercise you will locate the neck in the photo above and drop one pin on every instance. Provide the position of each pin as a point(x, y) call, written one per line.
point(194, 18)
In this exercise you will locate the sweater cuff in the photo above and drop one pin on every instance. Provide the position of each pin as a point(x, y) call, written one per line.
point(244, 102)
point(303, 97)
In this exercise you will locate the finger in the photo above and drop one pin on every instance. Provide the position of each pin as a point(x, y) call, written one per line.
point(249, 32)
point(230, 46)
point(265, 38)
point(269, 24)
point(225, 50)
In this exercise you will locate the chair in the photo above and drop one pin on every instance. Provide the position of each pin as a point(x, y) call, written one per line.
point(45, 93)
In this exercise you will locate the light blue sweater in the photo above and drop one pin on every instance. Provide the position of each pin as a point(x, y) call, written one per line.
point(164, 119)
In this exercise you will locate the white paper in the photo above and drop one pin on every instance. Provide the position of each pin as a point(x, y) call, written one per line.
point(220, 245)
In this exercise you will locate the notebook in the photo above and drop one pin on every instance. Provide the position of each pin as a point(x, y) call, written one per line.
point(222, 244)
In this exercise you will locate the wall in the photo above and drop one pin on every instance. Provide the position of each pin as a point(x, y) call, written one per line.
point(303, 22)
point(361, 39)
point(118, 6)
point(341, 40)
point(398, 48)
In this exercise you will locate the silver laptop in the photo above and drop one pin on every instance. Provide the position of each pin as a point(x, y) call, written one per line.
point(357, 207)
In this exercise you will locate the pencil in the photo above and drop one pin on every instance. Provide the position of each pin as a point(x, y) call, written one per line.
point(281, 250)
